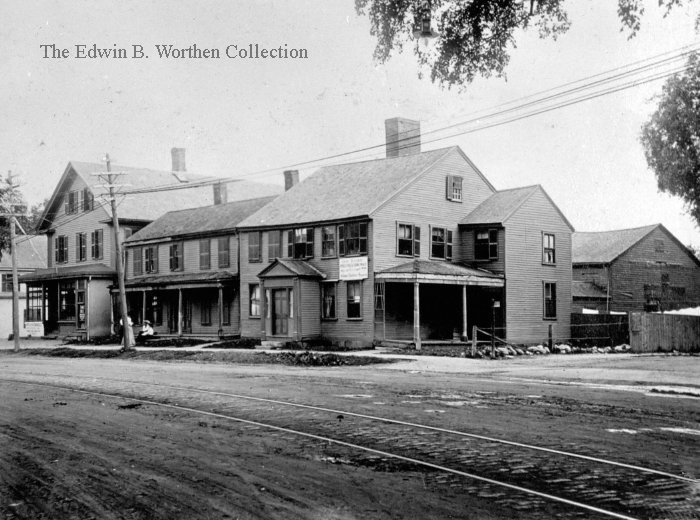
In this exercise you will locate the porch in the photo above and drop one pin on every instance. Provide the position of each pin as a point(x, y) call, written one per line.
point(435, 301)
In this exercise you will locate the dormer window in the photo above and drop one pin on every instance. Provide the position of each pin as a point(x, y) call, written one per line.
point(454, 188)
point(486, 244)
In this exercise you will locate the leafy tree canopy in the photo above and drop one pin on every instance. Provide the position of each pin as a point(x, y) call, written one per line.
point(671, 137)
point(474, 37)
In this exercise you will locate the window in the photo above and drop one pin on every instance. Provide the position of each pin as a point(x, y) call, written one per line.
point(72, 202)
point(486, 244)
point(300, 243)
point(88, 200)
point(254, 307)
point(205, 313)
point(81, 247)
point(454, 188)
point(274, 245)
point(223, 247)
point(659, 246)
point(255, 246)
point(205, 254)
point(66, 301)
point(35, 300)
point(80, 304)
point(328, 291)
point(441, 243)
point(548, 253)
point(328, 242)
point(96, 244)
point(176, 260)
point(7, 283)
point(354, 299)
point(61, 249)
point(138, 261)
point(550, 300)
point(150, 259)
point(407, 240)
point(352, 239)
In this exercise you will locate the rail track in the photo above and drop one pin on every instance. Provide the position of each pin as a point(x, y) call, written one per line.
point(521, 476)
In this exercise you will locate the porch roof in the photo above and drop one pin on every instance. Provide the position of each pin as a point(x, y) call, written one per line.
point(428, 271)
point(182, 280)
point(73, 271)
point(290, 267)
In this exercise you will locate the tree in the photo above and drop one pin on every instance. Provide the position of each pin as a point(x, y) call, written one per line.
point(474, 37)
point(671, 137)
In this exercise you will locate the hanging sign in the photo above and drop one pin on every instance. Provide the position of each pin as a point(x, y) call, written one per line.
point(353, 268)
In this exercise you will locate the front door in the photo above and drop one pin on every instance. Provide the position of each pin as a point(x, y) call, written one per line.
point(280, 312)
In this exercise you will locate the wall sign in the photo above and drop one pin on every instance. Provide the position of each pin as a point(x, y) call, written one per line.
point(353, 268)
point(34, 329)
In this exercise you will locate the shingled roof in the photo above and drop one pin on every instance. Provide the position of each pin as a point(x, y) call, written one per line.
point(602, 247)
point(208, 219)
point(499, 206)
point(345, 190)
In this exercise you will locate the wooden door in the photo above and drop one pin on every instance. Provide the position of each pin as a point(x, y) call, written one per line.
point(280, 312)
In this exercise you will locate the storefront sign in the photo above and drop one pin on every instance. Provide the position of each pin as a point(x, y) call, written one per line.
point(353, 268)
point(34, 329)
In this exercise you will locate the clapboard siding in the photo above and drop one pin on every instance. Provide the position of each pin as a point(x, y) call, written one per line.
point(525, 272)
point(424, 203)
point(309, 299)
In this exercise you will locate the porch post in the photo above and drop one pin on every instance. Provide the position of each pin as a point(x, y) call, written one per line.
point(416, 315)
point(143, 307)
point(221, 310)
point(179, 312)
point(263, 309)
point(464, 313)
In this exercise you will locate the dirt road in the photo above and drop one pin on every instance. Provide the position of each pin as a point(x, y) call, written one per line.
point(65, 454)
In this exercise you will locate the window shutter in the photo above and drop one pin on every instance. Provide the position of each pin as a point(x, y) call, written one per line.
point(448, 246)
point(416, 240)
point(448, 188)
point(310, 242)
point(363, 237)
point(341, 240)
point(172, 255)
point(290, 243)
point(155, 259)
point(55, 249)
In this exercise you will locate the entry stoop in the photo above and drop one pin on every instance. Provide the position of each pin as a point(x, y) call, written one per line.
point(270, 344)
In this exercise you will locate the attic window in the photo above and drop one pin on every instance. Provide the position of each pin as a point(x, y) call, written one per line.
point(454, 188)
point(659, 246)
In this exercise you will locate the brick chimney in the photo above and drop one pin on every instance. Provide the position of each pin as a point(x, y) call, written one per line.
point(402, 137)
point(291, 179)
point(178, 155)
point(220, 193)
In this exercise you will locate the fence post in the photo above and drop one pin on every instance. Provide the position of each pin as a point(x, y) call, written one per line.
point(474, 340)
point(551, 341)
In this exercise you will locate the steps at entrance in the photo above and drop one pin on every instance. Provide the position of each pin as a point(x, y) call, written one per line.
point(269, 344)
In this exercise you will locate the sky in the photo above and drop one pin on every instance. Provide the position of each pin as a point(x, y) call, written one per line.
point(236, 117)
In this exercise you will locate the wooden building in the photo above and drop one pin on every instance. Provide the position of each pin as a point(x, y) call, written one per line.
point(638, 269)
point(75, 287)
point(392, 249)
point(182, 270)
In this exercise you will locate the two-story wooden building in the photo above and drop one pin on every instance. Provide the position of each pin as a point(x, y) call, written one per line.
point(182, 270)
point(75, 287)
point(637, 269)
point(392, 249)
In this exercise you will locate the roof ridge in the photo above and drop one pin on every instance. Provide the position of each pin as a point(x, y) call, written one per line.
point(385, 158)
point(618, 230)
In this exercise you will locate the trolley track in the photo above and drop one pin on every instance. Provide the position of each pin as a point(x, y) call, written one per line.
point(515, 474)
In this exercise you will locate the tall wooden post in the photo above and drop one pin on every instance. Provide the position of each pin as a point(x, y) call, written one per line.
point(464, 313)
point(416, 315)
point(221, 311)
point(15, 285)
point(143, 307)
point(179, 312)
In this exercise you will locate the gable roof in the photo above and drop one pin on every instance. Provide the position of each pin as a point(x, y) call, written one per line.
point(346, 190)
point(208, 219)
point(299, 268)
point(31, 253)
point(602, 247)
point(151, 205)
point(500, 206)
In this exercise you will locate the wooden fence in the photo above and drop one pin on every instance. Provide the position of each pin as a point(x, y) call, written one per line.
point(599, 329)
point(652, 332)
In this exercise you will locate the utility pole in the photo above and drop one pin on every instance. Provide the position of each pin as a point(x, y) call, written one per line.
point(128, 333)
point(12, 215)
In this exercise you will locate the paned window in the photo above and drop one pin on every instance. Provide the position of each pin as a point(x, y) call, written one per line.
point(354, 299)
point(224, 251)
point(255, 246)
point(407, 240)
point(486, 244)
point(441, 243)
point(176, 256)
point(550, 300)
point(454, 188)
point(352, 239)
point(205, 254)
point(35, 301)
point(7, 283)
point(274, 245)
point(81, 247)
point(328, 242)
point(72, 202)
point(300, 243)
point(254, 304)
point(659, 246)
point(150, 259)
point(88, 200)
point(328, 298)
point(548, 251)
point(138, 261)
point(96, 248)
point(61, 249)
point(66, 301)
